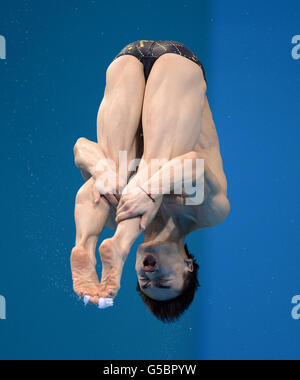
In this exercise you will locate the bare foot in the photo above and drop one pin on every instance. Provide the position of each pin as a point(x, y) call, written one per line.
point(112, 265)
point(85, 278)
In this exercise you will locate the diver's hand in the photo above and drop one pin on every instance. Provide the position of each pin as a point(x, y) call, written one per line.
point(135, 202)
point(107, 184)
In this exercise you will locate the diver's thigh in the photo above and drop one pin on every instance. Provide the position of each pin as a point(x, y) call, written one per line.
point(120, 111)
point(172, 107)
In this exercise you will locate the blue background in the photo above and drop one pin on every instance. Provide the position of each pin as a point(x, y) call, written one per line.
point(50, 88)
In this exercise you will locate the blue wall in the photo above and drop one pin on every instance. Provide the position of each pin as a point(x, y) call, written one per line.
point(252, 264)
point(51, 85)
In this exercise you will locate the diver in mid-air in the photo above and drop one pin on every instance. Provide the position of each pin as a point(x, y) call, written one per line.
point(154, 107)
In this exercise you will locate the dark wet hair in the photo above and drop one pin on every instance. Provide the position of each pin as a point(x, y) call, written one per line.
point(170, 311)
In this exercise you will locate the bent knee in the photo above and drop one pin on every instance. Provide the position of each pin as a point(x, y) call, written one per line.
point(80, 143)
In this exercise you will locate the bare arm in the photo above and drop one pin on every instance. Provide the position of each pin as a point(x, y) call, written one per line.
point(182, 174)
point(175, 176)
point(91, 160)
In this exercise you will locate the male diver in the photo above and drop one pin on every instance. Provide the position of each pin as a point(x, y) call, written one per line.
point(154, 107)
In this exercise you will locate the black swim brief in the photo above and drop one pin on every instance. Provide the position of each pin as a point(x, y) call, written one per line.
point(148, 51)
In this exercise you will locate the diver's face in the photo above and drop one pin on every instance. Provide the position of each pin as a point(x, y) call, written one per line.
point(160, 270)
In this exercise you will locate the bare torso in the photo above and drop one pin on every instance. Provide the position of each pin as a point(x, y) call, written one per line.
point(186, 218)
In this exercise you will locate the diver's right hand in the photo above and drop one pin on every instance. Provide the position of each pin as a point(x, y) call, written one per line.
point(107, 184)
